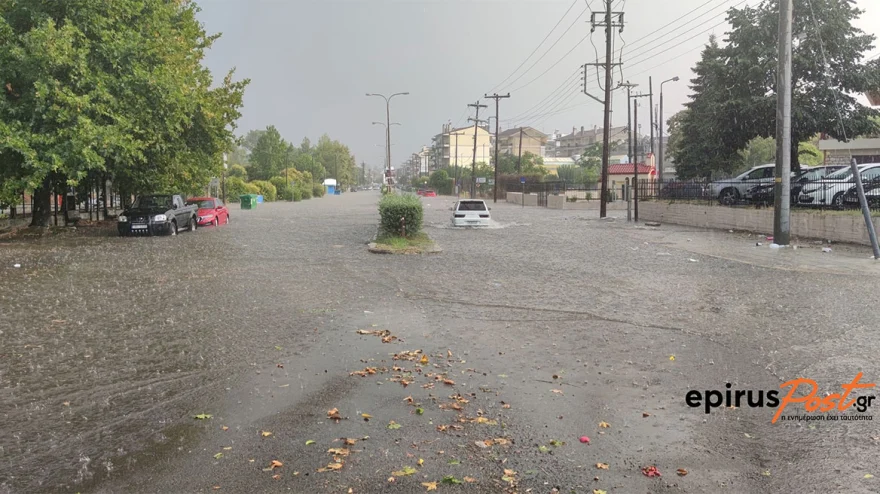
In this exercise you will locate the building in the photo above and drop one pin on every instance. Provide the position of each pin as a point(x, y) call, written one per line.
point(575, 143)
point(533, 141)
point(456, 146)
point(840, 153)
point(553, 164)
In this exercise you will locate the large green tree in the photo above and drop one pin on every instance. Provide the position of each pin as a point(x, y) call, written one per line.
point(269, 155)
point(97, 89)
point(532, 164)
point(734, 98)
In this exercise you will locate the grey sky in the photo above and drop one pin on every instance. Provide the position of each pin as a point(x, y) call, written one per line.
point(312, 61)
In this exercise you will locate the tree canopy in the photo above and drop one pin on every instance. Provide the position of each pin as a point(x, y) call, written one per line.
point(734, 88)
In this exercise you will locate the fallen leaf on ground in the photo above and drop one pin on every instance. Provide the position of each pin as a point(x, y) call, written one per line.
point(368, 371)
point(449, 353)
point(216, 487)
point(672, 357)
point(419, 411)
point(393, 425)
point(330, 467)
point(470, 480)
point(407, 470)
point(278, 347)
point(280, 366)
point(449, 382)
point(408, 399)
point(276, 476)
point(454, 462)
point(868, 476)
point(604, 425)
point(227, 448)
point(449, 479)
point(599, 491)
point(645, 414)
point(421, 462)
point(224, 428)
point(366, 416)
point(266, 433)
point(543, 448)
point(502, 441)
point(423, 360)
point(275, 464)
point(484, 420)
point(349, 442)
point(556, 443)
point(651, 471)
point(339, 451)
point(203, 416)
point(602, 466)
point(310, 442)
point(431, 486)
point(681, 472)
point(748, 435)
point(333, 414)
point(218, 456)
point(766, 473)
point(505, 405)
point(557, 391)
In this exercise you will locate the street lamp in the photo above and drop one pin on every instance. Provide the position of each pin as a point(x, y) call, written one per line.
point(660, 161)
point(388, 124)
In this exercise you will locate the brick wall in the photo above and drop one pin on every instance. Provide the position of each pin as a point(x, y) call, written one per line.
point(837, 227)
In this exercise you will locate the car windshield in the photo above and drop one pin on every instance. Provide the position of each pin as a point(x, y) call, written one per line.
point(208, 204)
point(472, 206)
point(153, 202)
point(842, 174)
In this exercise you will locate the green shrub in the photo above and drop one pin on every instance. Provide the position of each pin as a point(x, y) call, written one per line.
point(318, 190)
point(392, 207)
point(251, 189)
point(297, 194)
point(238, 171)
point(306, 191)
point(266, 189)
point(282, 188)
point(571, 199)
point(235, 187)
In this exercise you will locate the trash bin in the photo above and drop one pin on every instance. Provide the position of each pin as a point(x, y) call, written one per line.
point(248, 201)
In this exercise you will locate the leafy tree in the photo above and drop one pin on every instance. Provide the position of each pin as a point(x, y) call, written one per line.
point(570, 174)
point(109, 89)
point(250, 140)
point(734, 97)
point(509, 164)
point(282, 188)
point(336, 160)
point(441, 182)
point(237, 171)
point(307, 163)
point(235, 187)
point(269, 155)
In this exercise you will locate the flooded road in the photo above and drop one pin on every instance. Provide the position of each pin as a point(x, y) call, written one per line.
point(546, 326)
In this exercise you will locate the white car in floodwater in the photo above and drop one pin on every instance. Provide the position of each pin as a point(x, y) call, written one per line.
point(470, 212)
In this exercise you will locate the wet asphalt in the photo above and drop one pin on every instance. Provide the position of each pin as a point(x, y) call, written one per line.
point(540, 330)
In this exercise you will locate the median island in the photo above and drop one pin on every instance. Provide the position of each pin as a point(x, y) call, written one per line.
point(400, 227)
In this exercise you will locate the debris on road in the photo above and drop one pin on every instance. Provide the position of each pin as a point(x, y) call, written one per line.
point(651, 471)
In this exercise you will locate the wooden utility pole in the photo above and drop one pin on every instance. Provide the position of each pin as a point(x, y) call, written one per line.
point(651, 110)
point(519, 161)
point(782, 202)
point(497, 98)
point(477, 122)
point(611, 20)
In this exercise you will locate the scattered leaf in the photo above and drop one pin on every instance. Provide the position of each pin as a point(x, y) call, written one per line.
point(505, 405)
point(218, 456)
point(275, 464)
point(645, 414)
point(454, 462)
point(278, 347)
point(484, 420)
point(502, 441)
point(407, 470)
point(543, 448)
point(265, 433)
point(366, 417)
point(557, 391)
point(748, 435)
point(339, 451)
point(470, 480)
point(449, 353)
point(766, 473)
point(408, 399)
point(393, 425)
point(227, 448)
point(276, 476)
point(502, 375)
point(672, 357)
point(556, 443)
point(216, 487)
point(599, 491)
point(349, 441)
point(421, 462)
point(310, 442)
point(602, 466)
point(423, 360)
point(431, 486)
point(681, 472)
point(333, 414)
point(330, 467)
point(604, 425)
point(449, 479)
point(419, 411)
point(449, 382)
point(868, 476)
point(224, 428)
point(203, 416)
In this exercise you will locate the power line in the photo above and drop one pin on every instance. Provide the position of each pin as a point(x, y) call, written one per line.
point(644, 38)
point(568, 81)
point(537, 47)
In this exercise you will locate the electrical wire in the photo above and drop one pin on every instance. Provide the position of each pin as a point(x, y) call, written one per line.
point(552, 93)
point(567, 92)
point(536, 48)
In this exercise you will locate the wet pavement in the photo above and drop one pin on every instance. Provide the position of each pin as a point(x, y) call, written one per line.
point(533, 333)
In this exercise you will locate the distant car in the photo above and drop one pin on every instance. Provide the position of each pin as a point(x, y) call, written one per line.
point(765, 193)
point(680, 189)
point(830, 190)
point(471, 212)
point(212, 211)
point(420, 192)
point(872, 194)
point(733, 190)
point(429, 193)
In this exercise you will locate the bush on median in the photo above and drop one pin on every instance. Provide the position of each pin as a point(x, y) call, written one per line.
point(318, 190)
point(393, 207)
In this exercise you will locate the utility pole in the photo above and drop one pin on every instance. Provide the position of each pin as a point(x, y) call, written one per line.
point(609, 23)
point(636, 163)
point(457, 192)
point(660, 167)
point(629, 125)
point(519, 161)
point(497, 98)
point(477, 122)
point(651, 110)
point(781, 212)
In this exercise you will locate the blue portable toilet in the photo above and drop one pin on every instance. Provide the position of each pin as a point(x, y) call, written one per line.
point(330, 185)
point(259, 199)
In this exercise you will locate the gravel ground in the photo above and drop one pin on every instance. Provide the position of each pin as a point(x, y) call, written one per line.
point(539, 329)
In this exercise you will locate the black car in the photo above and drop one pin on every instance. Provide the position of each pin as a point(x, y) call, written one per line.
point(872, 194)
point(766, 193)
point(680, 189)
point(160, 214)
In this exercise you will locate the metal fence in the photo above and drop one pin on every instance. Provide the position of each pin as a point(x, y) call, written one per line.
point(825, 194)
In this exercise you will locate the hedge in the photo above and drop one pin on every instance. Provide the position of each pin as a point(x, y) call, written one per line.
point(235, 187)
point(283, 189)
point(318, 190)
point(306, 192)
point(297, 194)
point(394, 206)
point(267, 190)
point(250, 188)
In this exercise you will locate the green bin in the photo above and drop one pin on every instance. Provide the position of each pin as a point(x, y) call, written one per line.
point(248, 201)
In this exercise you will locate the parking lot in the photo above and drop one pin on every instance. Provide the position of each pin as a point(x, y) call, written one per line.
point(109, 347)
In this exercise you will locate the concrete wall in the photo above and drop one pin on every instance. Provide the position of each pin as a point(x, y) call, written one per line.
point(516, 198)
point(832, 226)
point(555, 202)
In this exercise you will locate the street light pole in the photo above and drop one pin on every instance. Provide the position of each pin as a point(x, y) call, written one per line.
point(661, 123)
point(388, 128)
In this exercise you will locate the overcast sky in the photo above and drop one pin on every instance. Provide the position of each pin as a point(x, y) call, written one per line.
point(312, 61)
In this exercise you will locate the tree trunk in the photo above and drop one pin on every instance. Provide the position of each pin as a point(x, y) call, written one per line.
point(42, 204)
point(106, 195)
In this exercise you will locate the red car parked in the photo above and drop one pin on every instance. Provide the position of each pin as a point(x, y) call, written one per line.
point(212, 211)
point(429, 193)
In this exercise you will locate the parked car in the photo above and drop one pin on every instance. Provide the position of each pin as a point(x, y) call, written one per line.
point(420, 192)
point(429, 193)
point(471, 212)
point(766, 193)
point(680, 189)
point(830, 190)
point(211, 211)
point(159, 214)
point(872, 194)
point(736, 189)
